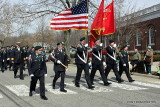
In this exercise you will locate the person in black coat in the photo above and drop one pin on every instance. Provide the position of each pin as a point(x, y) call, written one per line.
point(18, 57)
point(60, 57)
point(10, 55)
point(81, 61)
point(97, 62)
point(124, 65)
point(7, 57)
point(111, 61)
point(3, 56)
point(38, 71)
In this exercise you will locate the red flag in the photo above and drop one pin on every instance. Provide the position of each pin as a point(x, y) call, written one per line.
point(97, 25)
point(104, 23)
point(108, 20)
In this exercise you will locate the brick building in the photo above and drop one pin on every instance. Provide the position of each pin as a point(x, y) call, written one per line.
point(150, 33)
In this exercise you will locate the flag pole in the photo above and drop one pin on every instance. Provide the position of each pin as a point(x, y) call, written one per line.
point(88, 19)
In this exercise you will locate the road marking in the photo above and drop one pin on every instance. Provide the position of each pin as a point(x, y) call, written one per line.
point(19, 90)
point(96, 89)
point(124, 86)
point(57, 90)
point(1, 96)
point(146, 84)
point(157, 82)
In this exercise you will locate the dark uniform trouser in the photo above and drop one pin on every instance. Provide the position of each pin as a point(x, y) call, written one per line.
point(115, 70)
point(126, 69)
point(99, 67)
point(5, 64)
point(84, 67)
point(34, 82)
point(2, 66)
point(16, 66)
point(10, 65)
point(57, 75)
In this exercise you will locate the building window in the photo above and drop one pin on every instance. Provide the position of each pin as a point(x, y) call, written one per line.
point(152, 36)
point(138, 39)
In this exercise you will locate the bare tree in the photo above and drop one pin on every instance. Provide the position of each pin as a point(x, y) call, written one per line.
point(126, 23)
point(40, 8)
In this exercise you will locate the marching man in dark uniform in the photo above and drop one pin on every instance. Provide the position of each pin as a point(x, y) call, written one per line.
point(37, 70)
point(82, 63)
point(124, 66)
point(18, 58)
point(97, 62)
point(111, 61)
point(10, 55)
point(3, 56)
point(60, 57)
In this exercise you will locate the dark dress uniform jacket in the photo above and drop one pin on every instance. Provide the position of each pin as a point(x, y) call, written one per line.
point(111, 52)
point(8, 53)
point(37, 65)
point(18, 56)
point(97, 50)
point(124, 58)
point(3, 55)
point(80, 51)
point(59, 56)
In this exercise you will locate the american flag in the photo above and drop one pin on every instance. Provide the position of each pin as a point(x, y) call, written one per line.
point(72, 18)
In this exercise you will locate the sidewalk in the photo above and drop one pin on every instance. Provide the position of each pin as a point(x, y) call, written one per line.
point(154, 69)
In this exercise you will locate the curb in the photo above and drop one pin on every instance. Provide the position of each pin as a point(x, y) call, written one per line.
point(146, 75)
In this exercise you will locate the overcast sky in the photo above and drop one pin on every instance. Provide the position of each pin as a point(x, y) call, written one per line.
point(139, 3)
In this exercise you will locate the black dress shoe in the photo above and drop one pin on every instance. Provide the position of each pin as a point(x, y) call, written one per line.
point(92, 83)
point(44, 98)
point(63, 90)
point(77, 85)
point(120, 81)
point(22, 78)
point(30, 94)
point(107, 84)
point(91, 87)
point(131, 80)
point(15, 76)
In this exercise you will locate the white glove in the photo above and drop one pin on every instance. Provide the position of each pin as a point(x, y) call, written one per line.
point(67, 69)
point(45, 75)
point(104, 63)
point(86, 45)
point(8, 58)
point(58, 61)
point(3, 60)
point(101, 44)
point(31, 75)
point(124, 65)
point(115, 45)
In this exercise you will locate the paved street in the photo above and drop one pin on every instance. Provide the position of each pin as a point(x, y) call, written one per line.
point(144, 92)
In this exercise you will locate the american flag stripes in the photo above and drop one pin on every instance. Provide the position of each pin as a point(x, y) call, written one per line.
point(72, 18)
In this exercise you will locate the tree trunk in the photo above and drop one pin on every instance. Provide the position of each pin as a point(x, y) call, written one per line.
point(67, 38)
